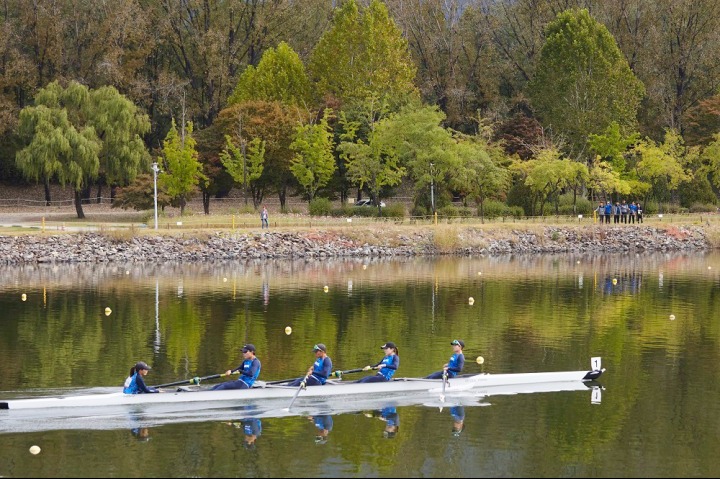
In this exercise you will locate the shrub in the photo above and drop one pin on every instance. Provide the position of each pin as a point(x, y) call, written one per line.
point(702, 208)
point(419, 211)
point(395, 210)
point(320, 207)
point(495, 209)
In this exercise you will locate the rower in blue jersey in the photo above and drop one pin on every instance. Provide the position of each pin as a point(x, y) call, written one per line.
point(249, 371)
point(456, 363)
point(134, 384)
point(386, 367)
point(320, 370)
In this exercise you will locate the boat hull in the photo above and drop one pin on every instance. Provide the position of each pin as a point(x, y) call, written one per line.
point(479, 385)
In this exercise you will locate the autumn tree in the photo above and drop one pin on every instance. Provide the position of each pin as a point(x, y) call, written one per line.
point(280, 76)
point(313, 164)
point(363, 55)
point(583, 82)
point(105, 117)
point(182, 171)
point(374, 164)
point(480, 176)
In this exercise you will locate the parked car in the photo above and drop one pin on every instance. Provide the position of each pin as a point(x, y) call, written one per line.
point(369, 202)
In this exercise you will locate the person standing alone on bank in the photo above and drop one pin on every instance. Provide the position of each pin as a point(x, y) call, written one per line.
point(264, 218)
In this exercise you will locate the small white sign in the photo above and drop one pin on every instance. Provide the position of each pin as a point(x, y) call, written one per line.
point(596, 397)
point(579, 217)
point(596, 363)
point(659, 216)
point(179, 223)
point(349, 220)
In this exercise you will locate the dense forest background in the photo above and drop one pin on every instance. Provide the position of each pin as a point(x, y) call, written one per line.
point(519, 102)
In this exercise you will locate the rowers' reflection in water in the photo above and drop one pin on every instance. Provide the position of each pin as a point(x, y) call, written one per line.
point(142, 434)
point(252, 429)
point(323, 425)
point(458, 415)
point(392, 421)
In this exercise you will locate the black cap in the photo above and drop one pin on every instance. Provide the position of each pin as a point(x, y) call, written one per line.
point(389, 344)
point(320, 347)
point(142, 365)
point(459, 342)
point(248, 347)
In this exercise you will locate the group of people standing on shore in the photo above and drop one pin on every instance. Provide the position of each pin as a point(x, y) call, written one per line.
point(620, 212)
point(317, 375)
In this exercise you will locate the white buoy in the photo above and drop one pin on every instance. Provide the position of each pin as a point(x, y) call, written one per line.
point(471, 300)
point(108, 311)
point(288, 330)
point(127, 272)
point(479, 273)
point(672, 317)
point(34, 450)
point(364, 266)
point(709, 267)
point(614, 281)
point(326, 289)
point(480, 360)
point(578, 262)
point(224, 280)
point(24, 297)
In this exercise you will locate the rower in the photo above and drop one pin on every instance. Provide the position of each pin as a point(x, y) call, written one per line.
point(456, 363)
point(386, 367)
point(320, 370)
point(134, 384)
point(249, 371)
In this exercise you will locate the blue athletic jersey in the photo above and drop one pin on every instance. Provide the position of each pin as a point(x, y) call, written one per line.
point(249, 371)
point(456, 364)
point(322, 369)
point(391, 362)
point(135, 385)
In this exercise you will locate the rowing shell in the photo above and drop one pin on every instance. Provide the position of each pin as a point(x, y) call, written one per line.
point(479, 384)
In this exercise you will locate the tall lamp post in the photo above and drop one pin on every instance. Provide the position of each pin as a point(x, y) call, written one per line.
point(432, 188)
point(155, 172)
point(243, 144)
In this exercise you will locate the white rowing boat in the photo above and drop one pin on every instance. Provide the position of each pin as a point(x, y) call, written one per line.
point(478, 384)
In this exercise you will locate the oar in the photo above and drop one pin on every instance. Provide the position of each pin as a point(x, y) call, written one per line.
point(339, 374)
point(195, 380)
point(444, 380)
point(302, 385)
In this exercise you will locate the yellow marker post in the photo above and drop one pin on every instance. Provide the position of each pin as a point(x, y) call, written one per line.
point(43, 224)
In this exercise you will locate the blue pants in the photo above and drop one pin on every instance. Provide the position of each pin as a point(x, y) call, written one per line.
point(378, 378)
point(311, 381)
point(438, 375)
point(237, 384)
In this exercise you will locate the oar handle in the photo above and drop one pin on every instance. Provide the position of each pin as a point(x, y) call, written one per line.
point(339, 374)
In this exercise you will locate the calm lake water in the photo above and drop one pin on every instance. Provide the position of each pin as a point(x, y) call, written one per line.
point(654, 320)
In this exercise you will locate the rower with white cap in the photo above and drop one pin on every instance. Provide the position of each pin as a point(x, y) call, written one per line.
point(456, 363)
point(386, 367)
point(135, 384)
point(318, 374)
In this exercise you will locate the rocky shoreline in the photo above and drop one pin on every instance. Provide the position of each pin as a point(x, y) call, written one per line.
point(460, 240)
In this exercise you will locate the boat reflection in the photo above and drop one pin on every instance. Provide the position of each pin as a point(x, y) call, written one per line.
point(458, 415)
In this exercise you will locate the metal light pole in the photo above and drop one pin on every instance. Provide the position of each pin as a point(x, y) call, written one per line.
point(242, 143)
point(155, 172)
point(432, 188)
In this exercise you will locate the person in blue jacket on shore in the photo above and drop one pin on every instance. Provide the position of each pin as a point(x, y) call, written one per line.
point(386, 367)
point(456, 363)
point(320, 370)
point(135, 384)
point(249, 371)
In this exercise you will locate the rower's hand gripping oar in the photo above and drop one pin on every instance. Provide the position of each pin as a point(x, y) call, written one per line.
point(303, 384)
point(196, 380)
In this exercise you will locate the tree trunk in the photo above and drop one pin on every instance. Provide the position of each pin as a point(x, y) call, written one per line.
point(78, 205)
point(48, 200)
point(99, 193)
point(206, 202)
point(182, 206)
point(282, 194)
